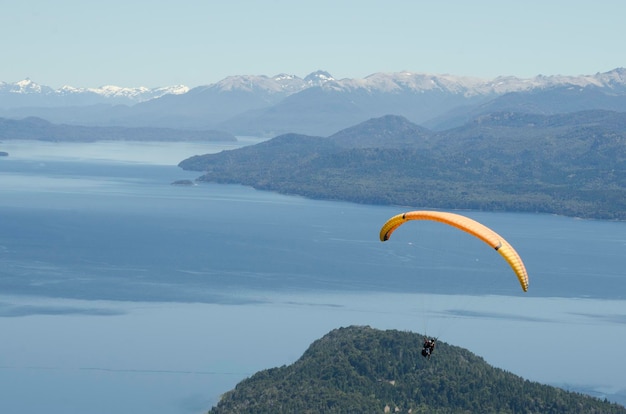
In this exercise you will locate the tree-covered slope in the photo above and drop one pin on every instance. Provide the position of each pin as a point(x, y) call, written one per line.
point(39, 129)
point(364, 370)
point(571, 164)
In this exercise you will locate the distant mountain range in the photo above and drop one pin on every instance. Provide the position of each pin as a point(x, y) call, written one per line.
point(27, 93)
point(319, 104)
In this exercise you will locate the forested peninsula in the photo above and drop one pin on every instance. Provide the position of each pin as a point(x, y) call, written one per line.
point(569, 164)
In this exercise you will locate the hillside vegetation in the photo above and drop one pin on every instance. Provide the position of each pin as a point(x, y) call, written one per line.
point(38, 129)
point(364, 370)
point(568, 164)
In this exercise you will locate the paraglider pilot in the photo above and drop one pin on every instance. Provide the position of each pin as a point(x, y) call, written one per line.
point(428, 348)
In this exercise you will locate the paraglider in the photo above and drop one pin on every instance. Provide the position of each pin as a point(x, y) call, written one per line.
point(428, 348)
point(468, 225)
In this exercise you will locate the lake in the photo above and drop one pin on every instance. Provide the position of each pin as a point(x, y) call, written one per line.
point(120, 292)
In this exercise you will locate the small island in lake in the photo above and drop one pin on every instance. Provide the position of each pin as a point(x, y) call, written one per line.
point(183, 182)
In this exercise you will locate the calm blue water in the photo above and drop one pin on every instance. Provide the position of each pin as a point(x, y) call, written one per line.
point(122, 293)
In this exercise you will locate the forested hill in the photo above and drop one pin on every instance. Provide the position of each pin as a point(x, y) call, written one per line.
point(33, 128)
point(569, 164)
point(364, 370)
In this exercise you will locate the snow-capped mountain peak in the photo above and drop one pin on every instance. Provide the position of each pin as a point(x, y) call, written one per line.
point(282, 83)
point(28, 84)
point(25, 86)
point(33, 94)
point(318, 78)
point(28, 93)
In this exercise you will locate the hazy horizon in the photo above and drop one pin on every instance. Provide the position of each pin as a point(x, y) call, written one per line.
point(196, 43)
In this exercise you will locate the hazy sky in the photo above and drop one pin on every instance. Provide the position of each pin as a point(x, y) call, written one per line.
point(88, 43)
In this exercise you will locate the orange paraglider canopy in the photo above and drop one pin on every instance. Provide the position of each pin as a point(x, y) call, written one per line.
point(468, 225)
